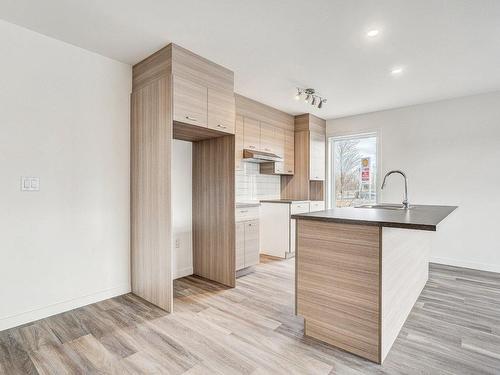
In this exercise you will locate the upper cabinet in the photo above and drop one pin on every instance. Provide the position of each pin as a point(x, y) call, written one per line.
point(238, 141)
point(317, 156)
point(207, 107)
point(190, 102)
point(267, 138)
point(251, 134)
point(221, 110)
point(289, 153)
point(202, 94)
point(268, 130)
point(308, 179)
point(278, 142)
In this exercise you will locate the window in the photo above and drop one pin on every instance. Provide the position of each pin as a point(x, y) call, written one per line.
point(352, 177)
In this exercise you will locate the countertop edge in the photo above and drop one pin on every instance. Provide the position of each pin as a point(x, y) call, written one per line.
point(426, 227)
point(286, 201)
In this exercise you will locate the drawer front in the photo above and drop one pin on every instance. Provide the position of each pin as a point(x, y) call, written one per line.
point(190, 102)
point(246, 213)
point(251, 243)
point(317, 206)
point(299, 208)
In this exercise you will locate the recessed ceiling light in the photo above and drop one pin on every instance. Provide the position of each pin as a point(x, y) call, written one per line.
point(372, 33)
point(396, 71)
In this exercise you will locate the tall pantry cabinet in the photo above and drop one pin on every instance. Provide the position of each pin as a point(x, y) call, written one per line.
point(177, 94)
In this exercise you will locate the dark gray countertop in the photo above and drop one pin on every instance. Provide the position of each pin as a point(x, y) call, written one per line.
point(419, 217)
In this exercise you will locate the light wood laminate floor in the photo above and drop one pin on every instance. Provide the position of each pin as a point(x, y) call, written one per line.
point(453, 329)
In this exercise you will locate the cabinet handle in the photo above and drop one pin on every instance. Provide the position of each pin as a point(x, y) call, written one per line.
point(251, 146)
point(221, 126)
point(242, 212)
point(289, 171)
point(191, 118)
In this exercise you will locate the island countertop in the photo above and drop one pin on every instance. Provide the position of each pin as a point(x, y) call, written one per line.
point(422, 217)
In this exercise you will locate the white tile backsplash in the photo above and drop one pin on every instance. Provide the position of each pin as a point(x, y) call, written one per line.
point(253, 186)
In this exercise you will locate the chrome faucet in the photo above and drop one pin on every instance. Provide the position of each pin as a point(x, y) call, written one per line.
point(406, 204)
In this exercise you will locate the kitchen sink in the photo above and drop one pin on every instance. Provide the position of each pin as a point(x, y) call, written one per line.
point(385, 206)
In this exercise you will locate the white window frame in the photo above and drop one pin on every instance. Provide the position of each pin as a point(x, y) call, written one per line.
point(330, 190)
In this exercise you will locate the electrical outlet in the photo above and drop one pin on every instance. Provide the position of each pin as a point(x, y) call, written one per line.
point(177, 243)
point(30, 184)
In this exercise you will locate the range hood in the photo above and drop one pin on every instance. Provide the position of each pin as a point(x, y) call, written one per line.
point(255, 156)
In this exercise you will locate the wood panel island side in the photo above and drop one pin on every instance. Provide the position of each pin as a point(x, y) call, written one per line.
point(359, 271)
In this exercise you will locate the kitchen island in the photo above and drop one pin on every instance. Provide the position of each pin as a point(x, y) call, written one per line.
point(359, 271)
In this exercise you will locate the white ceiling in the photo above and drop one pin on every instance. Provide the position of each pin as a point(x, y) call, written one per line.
point(448, 48)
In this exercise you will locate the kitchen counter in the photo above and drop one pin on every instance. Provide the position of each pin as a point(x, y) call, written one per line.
point(359, 272)
point(421, 217)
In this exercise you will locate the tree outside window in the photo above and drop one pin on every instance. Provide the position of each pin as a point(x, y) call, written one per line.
point(354, 171)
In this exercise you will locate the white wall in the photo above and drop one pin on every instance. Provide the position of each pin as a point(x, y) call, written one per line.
point(451, 153)
point(64, 117)
point(182, 198)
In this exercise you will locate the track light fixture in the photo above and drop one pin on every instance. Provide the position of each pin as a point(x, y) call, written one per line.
point(310, 95)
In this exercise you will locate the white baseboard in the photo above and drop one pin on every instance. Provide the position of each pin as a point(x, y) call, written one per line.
point(57, 308)
point(183, 272)
point(474, 265)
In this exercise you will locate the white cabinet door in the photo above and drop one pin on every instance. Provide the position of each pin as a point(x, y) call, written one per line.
point(240, 246)
point(275, 229)
point(317, 157)
point(251, 243)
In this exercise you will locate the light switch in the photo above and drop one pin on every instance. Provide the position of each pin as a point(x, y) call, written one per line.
point(30, 184)
point(35, 184)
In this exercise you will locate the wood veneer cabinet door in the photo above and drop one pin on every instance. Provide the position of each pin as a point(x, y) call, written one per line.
point(221, 110)
point(278, 147)
point(251, 134)
point(267, 138)
point(278, 142)
point(251, 243)
point(317, 156)
point(289, 153)
point(190, 102)
point(238, 141)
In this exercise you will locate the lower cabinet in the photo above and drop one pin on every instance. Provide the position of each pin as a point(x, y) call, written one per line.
point(278, 228)
point(247, 238)
point(251, 243)
point(316, 206)
point(240, 246)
